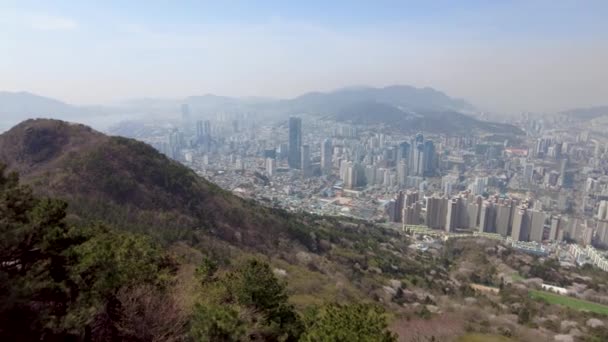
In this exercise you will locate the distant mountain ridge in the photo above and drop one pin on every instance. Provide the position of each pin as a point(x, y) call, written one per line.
point(402, 97)
point(400, 107)
point(587, 113)
point(18, 104)
point(403, 108)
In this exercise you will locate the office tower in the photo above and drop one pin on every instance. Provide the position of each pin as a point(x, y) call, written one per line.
point(402, 173)
point(305, 161)
point(342, 164)
point(295, 142)
point(403, 152)
point(326, 156)
point(390, 154)
point(537, 225)
point(562, 172)
point(416, 157)
point(271, 166)
point(176, 143)
point(350, 180)
point(555, 228)
point(200, 132)
point(528, 172)
point(419, 158)
point(283, 151)
point(386, 177)
point(176, 139)
point(429, 158)
point(419, 138)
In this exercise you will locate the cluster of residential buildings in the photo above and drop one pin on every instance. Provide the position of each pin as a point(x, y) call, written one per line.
point(550, 185)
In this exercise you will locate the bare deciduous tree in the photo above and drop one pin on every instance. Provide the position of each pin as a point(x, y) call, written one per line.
point(150, 315)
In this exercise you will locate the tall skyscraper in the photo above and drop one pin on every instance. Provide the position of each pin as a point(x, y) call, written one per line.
point(528, 172)
point(200, 132)
point(521, 225)
point(436, 211)
point(473, 213)
point(176, 143)
point(305, 161)
point(537, 225)
point(402, 173)
point(487, 218)
point(271, 166)
point(399, 203)
point(411, 213)
point(503, 218)
point(418, 160)
point(555, 228)
point(416, 154)
point(326, 156)
point(370, 174)
point(350, 177)
point(453, 214)
point(403, 152)
point(602, 210)
point(429, 158)
point(295, 143)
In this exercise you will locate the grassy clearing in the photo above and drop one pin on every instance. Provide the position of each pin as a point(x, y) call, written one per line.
point(483, 338)
point(307, 287)
point(570, 302)
point(517, 277)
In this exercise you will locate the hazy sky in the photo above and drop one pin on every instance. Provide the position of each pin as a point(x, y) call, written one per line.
point(500, 55)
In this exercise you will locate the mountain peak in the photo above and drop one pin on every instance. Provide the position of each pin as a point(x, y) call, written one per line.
point(40, 141)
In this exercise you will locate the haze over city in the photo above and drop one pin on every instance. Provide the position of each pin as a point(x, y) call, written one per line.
point(505, 57)
point(360, 171)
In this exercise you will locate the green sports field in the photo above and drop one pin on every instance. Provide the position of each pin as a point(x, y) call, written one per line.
point(483, 338)
point(570, 302)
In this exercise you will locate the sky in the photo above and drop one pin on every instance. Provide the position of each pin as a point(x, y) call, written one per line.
point(502, 56)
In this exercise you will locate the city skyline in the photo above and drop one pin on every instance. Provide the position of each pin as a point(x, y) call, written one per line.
point(272, 170)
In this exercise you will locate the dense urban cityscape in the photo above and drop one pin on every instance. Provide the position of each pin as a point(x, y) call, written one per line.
point(304, 171)
point(537, 190)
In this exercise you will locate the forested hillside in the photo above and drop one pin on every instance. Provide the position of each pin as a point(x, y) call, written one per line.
point(94, 283)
